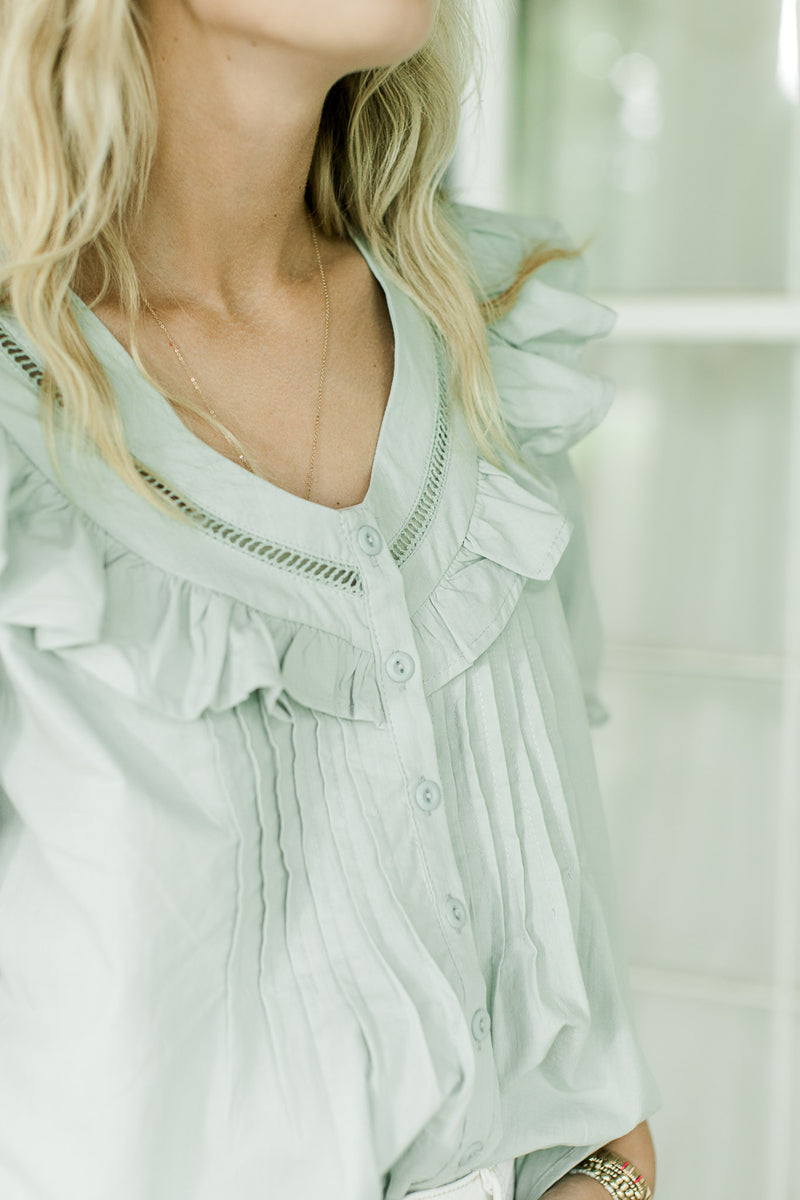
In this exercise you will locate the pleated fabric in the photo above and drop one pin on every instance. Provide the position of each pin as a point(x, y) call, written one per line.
point(305, 883)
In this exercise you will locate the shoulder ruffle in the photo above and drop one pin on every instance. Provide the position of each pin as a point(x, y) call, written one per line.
point(550, 402)
point(535, 348)
point(160, 640)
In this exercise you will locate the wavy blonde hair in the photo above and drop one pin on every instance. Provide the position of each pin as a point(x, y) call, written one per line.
point(78, 124)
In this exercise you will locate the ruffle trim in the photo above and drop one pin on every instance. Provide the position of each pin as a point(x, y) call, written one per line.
point(514, 536)
point(182, 649)
point(549, 400)
point(165, 642)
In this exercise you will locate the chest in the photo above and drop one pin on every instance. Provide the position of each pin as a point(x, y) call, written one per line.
point(271, 398)
point(263, 383)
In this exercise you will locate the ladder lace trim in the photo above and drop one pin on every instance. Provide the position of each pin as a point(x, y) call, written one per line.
point(427, 503)
point(288, 558)
point(20, 358)
point(334, 574)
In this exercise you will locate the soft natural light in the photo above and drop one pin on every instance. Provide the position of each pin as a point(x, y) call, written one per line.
point(787, 66)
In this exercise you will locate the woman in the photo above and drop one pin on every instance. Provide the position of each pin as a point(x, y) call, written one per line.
point(304, 883)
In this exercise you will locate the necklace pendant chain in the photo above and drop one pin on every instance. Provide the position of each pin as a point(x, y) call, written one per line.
point(315, 436)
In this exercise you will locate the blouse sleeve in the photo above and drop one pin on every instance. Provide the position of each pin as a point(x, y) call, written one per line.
point(549, 401)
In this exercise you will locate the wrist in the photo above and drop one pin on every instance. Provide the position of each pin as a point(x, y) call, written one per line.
point(623, 1169)
point(637, 1147)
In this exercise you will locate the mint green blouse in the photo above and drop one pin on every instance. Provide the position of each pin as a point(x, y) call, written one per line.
point(304, 876)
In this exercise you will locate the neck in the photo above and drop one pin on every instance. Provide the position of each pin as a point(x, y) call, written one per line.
point(224, 223)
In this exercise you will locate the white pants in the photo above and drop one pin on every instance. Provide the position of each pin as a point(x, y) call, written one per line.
point(496, 1182)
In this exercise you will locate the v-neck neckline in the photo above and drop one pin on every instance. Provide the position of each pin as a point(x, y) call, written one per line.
point(163, 443)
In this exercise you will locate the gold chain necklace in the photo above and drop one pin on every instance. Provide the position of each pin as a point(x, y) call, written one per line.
point(196, 386)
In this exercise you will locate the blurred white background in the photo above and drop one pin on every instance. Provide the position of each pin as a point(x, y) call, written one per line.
point(669, 130)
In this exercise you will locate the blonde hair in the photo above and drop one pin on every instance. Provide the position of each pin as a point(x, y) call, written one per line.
point(78, 123)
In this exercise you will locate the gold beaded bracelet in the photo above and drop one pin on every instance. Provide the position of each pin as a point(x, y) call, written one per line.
point(617, 1175)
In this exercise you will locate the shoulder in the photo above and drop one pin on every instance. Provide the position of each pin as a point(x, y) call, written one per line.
point(536, 346)
point(548, 397)
point(497, 243)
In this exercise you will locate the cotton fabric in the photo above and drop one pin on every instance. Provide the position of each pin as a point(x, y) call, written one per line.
point(304, 874)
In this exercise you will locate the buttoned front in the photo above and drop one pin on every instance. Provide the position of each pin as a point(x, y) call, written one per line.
point(400, 666)
point(304, 877)
point(428, 795)
point(370, 540)
point(481, 1024)
point(456, 913)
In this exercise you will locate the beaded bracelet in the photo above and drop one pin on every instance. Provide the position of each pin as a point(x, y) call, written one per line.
point(617, 1175)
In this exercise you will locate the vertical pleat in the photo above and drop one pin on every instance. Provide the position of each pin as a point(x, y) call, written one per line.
point(359, 1013)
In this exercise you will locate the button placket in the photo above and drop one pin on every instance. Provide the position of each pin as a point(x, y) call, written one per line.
point(369, 540)
point(456, 912)
point(400, 666)
point(481, 1024)
point(409, 710)
point(428, 795)
point(441, 908)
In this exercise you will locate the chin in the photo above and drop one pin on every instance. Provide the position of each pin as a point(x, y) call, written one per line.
point(386, 32)
point(351, 35)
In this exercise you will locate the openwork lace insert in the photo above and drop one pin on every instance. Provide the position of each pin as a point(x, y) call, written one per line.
point(424, 510)
point(19, 357)
point(298, 562)
point(287, 558)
